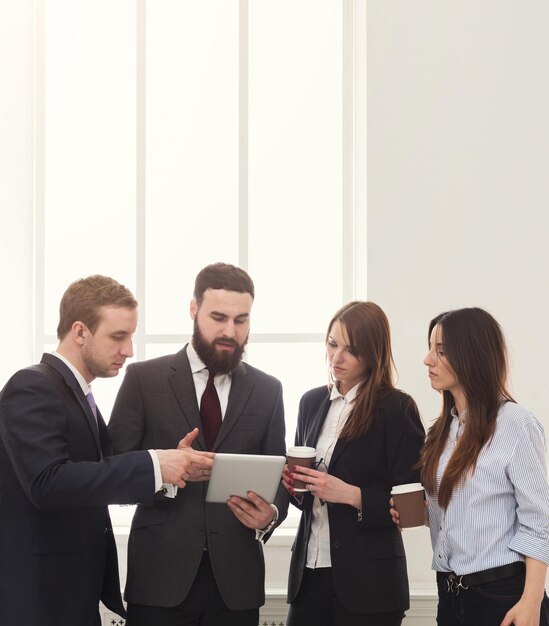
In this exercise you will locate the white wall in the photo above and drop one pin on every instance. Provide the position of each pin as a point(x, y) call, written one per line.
point(458, 194)
point(16, 185)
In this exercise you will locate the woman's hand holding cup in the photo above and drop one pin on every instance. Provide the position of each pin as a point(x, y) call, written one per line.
point(408, 506)
point(288, 481)
point(302, 456)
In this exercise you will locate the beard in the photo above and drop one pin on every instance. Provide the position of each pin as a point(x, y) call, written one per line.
point(217, 361)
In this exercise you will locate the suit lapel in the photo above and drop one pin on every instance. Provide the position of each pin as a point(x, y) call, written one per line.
point(78, 394)
point(339, 447)
point(104, 437)
point(90, 417)
point(182, 384)
point(341, 444)
point(241, 388)
point(311, 437)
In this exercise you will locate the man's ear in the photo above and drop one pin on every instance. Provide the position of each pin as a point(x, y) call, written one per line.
point(79, 332)
point(193, 309)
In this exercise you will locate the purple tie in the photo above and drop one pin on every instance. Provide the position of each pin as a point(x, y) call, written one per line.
point(93, 406)
point(210, 413)
point(91, 402)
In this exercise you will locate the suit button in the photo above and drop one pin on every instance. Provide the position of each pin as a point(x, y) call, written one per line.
point(336, 544)
point(201, 532)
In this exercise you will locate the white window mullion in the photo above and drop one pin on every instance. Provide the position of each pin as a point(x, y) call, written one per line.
point(347, 187)
point(360, 165)
point(140, 231)
point(243, 161)
point(39, 182)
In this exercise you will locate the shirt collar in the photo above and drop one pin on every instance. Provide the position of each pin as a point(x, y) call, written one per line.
point(80, 379)
point(350, 395)
point(454, 414)
point(194, 360)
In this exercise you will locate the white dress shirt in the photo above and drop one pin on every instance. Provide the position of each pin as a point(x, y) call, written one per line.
point(318, 547)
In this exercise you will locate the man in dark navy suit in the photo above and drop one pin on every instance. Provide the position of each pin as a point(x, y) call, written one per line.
point(57, 475)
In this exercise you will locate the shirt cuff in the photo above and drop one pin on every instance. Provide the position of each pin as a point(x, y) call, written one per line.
point(261, 532)
point(157, 471)
point(531, 546)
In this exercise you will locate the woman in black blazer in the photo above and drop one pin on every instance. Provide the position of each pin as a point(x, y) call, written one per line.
point(348, 565)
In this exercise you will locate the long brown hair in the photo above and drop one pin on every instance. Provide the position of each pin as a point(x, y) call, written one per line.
point(474, 347)
point(370, 338)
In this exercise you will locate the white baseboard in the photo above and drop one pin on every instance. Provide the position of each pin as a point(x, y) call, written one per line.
point(422, 611)
point(423, 596)
point(111, 619)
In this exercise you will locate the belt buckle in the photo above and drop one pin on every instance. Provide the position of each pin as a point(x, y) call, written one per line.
point(454, 584)
point(460, 585)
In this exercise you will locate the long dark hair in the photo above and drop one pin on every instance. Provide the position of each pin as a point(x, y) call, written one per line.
point(474, 347)
point(369, 335)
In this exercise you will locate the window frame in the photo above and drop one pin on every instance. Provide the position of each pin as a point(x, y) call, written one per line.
point(354, 184)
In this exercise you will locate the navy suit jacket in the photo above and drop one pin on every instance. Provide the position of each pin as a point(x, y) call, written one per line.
point(57, 550)
point(368, 560)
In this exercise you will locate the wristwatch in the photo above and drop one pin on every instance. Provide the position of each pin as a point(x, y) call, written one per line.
point(261, 532)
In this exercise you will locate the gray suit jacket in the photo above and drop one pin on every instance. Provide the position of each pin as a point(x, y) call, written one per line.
point(155, 407)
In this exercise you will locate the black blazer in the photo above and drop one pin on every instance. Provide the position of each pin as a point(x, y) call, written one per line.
point(57, 550)
point(155, 407)
point(368, 560)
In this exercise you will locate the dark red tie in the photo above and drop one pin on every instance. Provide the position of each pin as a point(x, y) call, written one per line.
point(210, 413)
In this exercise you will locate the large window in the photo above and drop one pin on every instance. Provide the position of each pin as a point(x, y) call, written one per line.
point(175, 134)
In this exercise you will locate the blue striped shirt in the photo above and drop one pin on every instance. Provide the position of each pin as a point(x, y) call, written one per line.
point(499, 514)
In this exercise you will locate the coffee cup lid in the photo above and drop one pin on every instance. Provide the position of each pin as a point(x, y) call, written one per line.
point(301, 451)
point(408, 488)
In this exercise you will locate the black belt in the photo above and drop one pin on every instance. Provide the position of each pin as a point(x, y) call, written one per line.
point(455, 583)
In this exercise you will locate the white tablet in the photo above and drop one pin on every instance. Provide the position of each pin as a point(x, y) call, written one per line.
point(236, 474)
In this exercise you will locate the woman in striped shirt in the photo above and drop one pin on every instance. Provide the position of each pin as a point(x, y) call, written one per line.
point(484, 470)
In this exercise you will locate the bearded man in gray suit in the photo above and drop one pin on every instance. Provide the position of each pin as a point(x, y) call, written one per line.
point(192, 562)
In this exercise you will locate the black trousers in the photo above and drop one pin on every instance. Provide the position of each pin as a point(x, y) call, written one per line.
point(203, 606)
point(317, 605)
point(485, 604)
